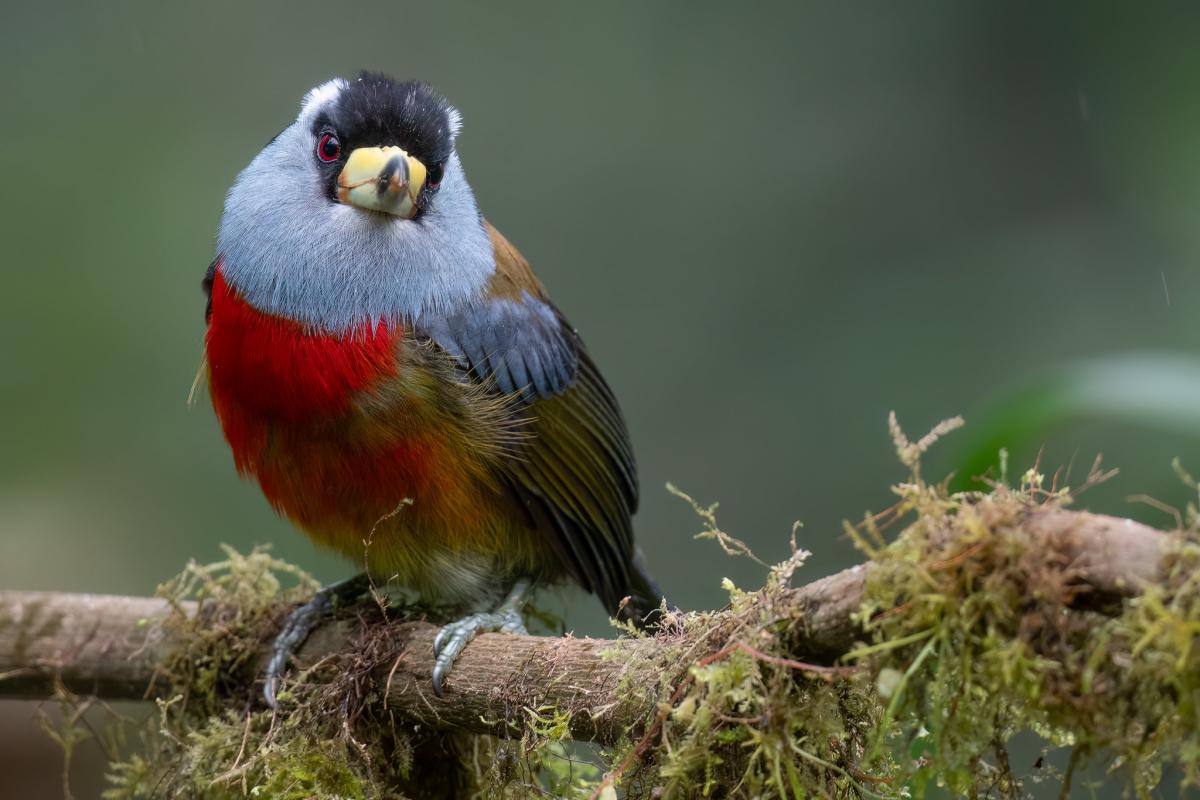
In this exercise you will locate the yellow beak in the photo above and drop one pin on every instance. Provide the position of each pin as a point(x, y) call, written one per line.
point(382, 179)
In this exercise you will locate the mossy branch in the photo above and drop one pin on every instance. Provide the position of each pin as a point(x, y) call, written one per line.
point(979, 615)
point(118, 648)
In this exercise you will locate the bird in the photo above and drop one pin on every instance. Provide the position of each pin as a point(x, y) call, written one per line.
point(388, 368)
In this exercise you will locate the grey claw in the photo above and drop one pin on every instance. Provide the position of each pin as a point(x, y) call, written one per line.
point(299, 624)
point(437, 681)
point(453, 638)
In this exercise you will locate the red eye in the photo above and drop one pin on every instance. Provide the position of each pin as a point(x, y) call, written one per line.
point(329, 148)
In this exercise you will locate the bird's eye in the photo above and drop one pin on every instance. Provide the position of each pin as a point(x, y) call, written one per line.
point(328, 148)
point(435, 175)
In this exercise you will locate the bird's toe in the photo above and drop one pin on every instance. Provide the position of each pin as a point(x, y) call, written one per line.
point(296, 628)
point(455, 636)
point(299, 624)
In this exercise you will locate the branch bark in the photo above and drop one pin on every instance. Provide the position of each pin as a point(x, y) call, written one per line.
point(108, 646)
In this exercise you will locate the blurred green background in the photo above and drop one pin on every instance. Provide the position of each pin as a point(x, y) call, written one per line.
point(772, 222)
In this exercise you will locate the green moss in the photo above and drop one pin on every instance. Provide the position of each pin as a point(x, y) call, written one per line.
point(966, 644)
point(989, 652)
point(199, 745)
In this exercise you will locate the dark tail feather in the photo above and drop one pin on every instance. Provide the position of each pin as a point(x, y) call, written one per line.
point(645, 605)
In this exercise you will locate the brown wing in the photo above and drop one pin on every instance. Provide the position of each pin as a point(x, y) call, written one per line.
point(575, 471)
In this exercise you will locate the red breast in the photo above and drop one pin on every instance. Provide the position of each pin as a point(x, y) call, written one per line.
point(285, 395)
point(277, 368)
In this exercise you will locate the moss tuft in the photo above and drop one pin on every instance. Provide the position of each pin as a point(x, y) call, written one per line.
point(204, 742)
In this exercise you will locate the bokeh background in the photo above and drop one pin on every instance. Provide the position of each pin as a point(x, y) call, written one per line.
point(772, 222)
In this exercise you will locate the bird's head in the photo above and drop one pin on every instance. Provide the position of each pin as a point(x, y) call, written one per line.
point(358, 211)
point(382, 146)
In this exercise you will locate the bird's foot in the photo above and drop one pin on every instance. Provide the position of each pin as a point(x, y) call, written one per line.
point(455, 636)
point(303, 621)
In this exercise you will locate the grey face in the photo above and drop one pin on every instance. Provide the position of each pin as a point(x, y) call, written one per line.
point(291, 247)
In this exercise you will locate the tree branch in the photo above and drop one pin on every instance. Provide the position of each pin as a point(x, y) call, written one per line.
point(111, 647)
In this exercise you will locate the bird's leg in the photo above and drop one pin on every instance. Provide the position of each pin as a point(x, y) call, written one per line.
point(304, 620)
point(452, 638)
